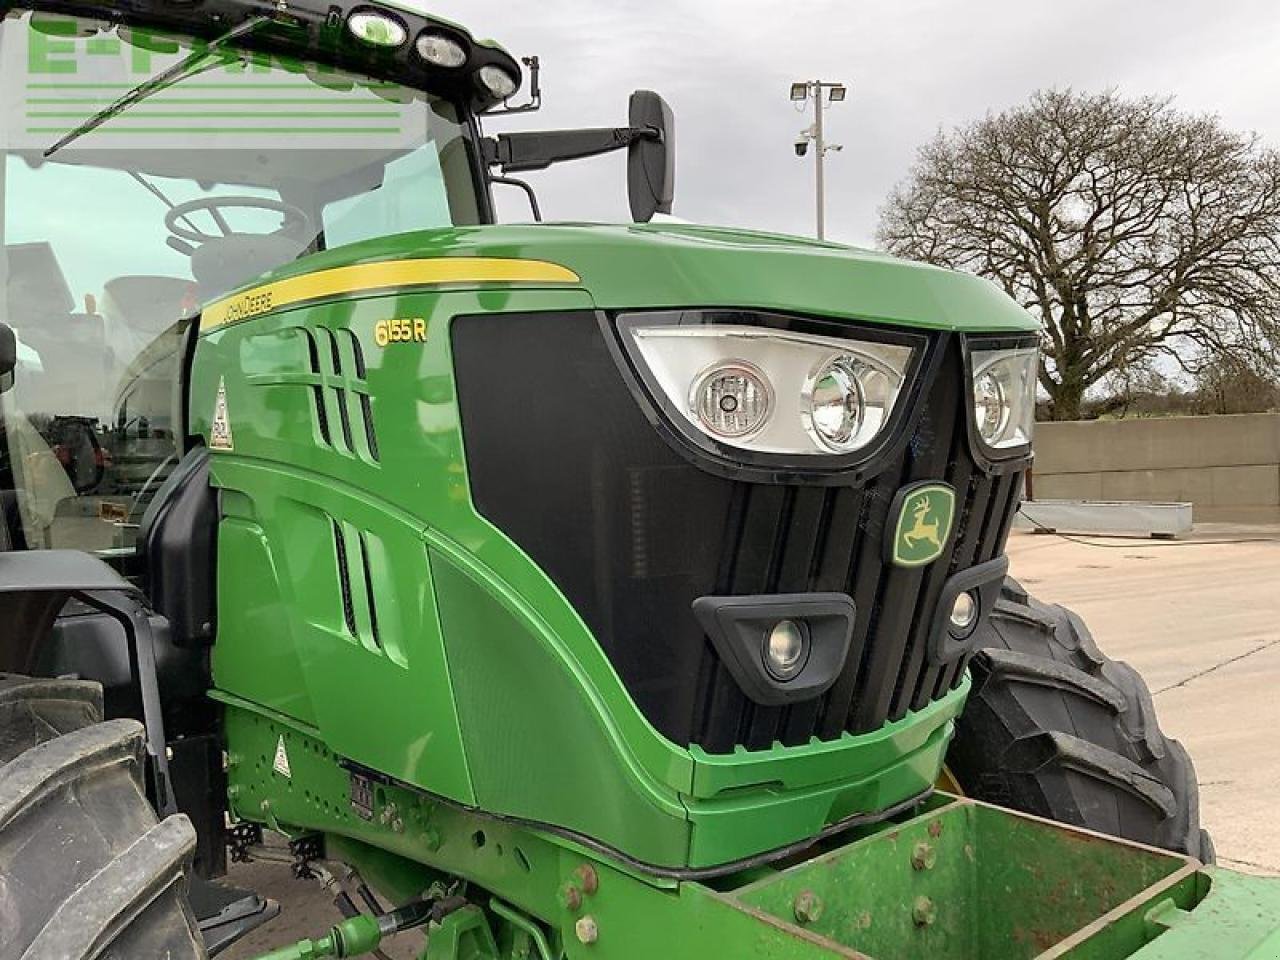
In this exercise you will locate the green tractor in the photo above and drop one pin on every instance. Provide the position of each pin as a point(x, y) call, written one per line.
point(555, 591)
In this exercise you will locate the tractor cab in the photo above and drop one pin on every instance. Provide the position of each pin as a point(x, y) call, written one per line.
point(149, 169)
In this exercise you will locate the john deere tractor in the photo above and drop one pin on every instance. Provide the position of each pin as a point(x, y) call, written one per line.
point(546, 590)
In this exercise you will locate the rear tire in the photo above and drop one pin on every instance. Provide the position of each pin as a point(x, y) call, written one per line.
point(88, 871)
point(1056, 729)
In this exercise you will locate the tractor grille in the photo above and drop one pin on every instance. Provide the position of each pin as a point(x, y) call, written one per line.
point(563, 460)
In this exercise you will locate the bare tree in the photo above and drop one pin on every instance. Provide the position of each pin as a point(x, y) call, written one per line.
point(1232, 386)
point(1132, 231)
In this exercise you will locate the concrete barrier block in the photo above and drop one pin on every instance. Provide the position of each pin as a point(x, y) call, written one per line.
point(1245, 486)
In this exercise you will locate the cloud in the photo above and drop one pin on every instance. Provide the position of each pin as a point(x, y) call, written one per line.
point(913, 66)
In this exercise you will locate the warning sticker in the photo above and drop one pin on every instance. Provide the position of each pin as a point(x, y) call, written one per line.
point(281, 763)
point(362, 796)
point(220, 431)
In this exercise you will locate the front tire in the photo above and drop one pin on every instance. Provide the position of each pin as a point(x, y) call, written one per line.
point(1056, 729)
point(88, 871)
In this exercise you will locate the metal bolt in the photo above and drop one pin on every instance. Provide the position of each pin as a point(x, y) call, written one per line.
point(168, 753)
point(388, 814)
point(571, 897)
point(807, 907)
point(923, 912)
point(397, 825)
point(590, 880)
point(587, 930)
point(923, 857)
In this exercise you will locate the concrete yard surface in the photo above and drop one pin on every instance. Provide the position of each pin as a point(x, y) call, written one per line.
point(1200, 620)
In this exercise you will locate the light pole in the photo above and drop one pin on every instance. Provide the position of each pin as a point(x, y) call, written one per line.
point(820, 91)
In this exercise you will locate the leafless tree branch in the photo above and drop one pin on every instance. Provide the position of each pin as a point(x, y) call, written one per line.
point(1131, 230)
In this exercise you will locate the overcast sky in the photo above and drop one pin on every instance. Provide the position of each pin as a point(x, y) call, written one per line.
point(913, 66)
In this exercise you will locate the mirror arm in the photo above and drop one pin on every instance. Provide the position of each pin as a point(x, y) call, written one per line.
point(528, 192)
point(520, 152)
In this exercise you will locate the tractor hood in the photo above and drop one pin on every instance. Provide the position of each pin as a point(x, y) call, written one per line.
point(669, 266)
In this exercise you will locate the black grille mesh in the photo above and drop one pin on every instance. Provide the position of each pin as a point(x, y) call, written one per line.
point(632, 533)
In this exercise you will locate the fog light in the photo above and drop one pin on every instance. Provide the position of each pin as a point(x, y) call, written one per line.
point(964, 615)
point(786, 650)
point(732, 400)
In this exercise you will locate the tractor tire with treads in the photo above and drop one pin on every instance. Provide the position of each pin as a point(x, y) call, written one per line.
point(87, 872)
point(1056, 729)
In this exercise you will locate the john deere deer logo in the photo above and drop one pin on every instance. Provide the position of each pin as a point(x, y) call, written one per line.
point(924, 514)
point(923, 530)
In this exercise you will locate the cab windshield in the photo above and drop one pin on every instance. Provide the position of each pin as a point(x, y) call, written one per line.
point(110, 244)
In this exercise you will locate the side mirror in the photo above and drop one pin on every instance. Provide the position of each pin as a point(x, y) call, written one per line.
point(650, 140)
point(76, 446)
point(651, 167)
point(8, 356)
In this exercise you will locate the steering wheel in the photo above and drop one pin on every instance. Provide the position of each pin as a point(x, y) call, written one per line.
point(296, 222)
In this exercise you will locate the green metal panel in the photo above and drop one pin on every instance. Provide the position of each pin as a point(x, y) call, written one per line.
point(643, 267)
point(536, 747)
point(865, 773)
point(1238, 917)
point(247, 575)
point(522, 864)
point(973, 881)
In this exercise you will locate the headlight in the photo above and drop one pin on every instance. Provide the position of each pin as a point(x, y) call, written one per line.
point(833, 403)
point(767, 390)
point(1004, 396)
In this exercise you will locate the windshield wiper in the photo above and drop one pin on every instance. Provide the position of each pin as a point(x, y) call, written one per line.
point(182, 70)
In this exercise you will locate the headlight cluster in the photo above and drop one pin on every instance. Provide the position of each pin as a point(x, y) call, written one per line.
point(1004, 395)
point(381, 28)
point(767, 390)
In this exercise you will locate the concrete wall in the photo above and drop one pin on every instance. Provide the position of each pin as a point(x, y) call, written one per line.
point(1229, 461)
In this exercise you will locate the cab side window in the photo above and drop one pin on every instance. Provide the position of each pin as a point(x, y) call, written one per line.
point(90, 427)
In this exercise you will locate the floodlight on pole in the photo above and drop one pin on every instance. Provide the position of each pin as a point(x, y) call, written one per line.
point(801, 91)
